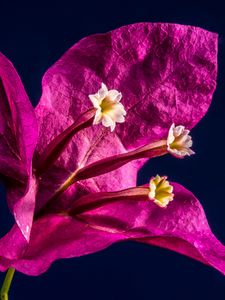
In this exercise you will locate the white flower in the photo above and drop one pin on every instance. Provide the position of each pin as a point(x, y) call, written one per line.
point(161, 192)
point(179, 141)
point(109, 110)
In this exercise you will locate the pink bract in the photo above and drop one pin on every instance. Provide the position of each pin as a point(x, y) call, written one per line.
point(18, 139)
point(182, 227)
point(166, 74)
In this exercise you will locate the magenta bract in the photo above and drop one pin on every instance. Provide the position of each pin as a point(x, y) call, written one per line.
point(182, 227)
point(166, 74)
point(18, 129)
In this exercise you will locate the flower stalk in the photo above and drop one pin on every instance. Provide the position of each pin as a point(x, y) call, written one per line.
point(108, 164)
point(6, 284)
point(92, 201)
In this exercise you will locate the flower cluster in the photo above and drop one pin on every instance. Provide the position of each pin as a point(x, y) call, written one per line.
point(111, 102)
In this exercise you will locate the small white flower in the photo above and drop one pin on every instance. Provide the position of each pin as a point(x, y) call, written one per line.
point(109, 110)
point(161, 192)
point(179, 142)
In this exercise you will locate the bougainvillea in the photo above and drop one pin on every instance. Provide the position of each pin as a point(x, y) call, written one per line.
point(112, 101)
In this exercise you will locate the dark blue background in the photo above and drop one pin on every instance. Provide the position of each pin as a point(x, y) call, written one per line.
point(33, 36)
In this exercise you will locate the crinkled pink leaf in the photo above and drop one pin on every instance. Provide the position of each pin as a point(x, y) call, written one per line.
point(63, 237)
point(18, 137)
point(18, 122)
point(23, 204)
point(166, 73)
point(163, 73)
point(181, 227)
point(12, 245)
point(59, 143)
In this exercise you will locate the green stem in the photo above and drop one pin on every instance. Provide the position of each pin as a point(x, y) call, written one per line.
point(6, 284)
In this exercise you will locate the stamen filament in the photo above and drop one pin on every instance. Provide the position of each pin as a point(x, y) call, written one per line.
point(114, 162)
point(107, 165)
point(95, 200)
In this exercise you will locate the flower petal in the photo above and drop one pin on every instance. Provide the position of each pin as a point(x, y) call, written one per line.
point(181, 227)
point(94, 100)
point(18, 126)
point(103, 91)
point(168, 77)
point(18, 139)
point(57, 145)
point(63, 237)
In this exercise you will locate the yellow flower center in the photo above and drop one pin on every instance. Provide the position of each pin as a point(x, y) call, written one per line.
point(109, 110)
point(107, 105)
point(161, 192)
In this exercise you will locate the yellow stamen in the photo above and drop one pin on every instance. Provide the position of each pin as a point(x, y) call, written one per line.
point(161, 192)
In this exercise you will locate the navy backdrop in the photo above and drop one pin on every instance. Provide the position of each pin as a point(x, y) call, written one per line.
point(33, 36)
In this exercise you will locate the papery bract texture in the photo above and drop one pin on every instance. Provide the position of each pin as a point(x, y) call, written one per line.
point(18, 126)
point(181, 227)
point(18, 138)
point(165, 72)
